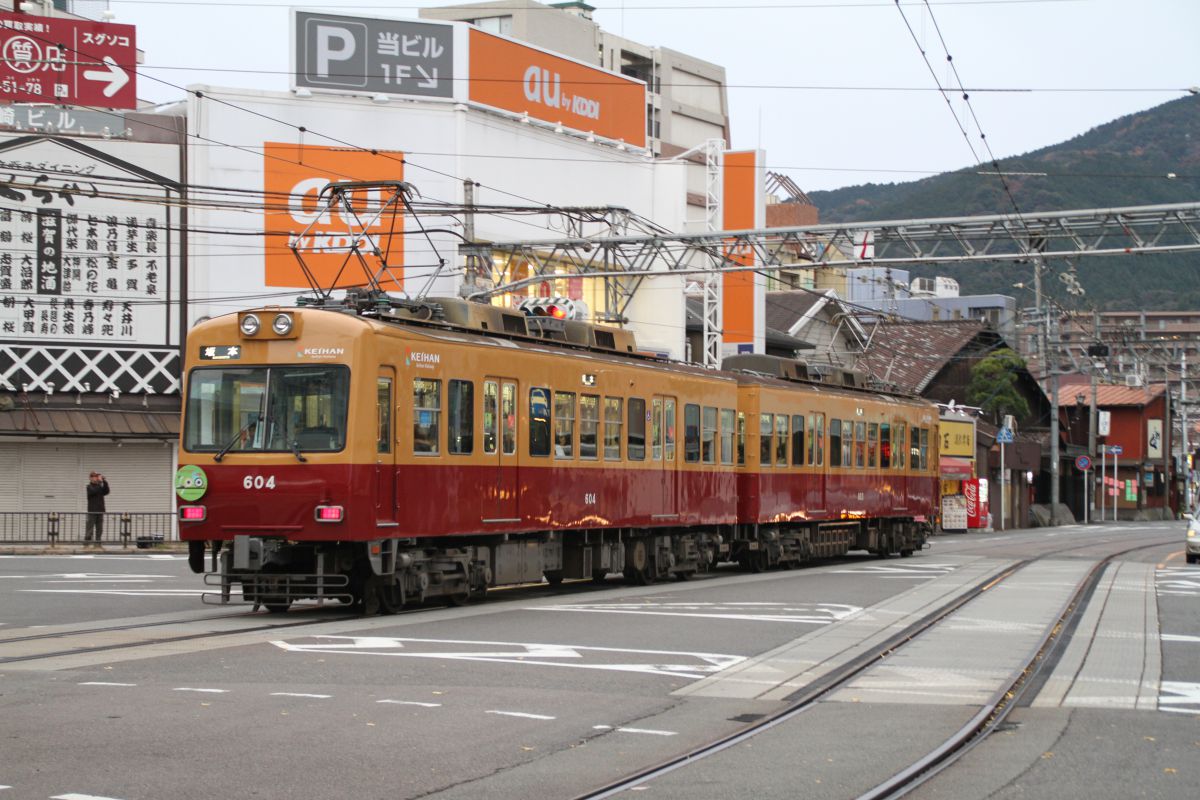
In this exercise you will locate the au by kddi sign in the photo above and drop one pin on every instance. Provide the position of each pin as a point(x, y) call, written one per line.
point(454, 61)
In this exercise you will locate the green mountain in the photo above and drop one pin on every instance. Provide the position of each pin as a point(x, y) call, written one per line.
point(1122, 163)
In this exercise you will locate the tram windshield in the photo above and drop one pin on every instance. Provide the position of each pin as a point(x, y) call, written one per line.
point(267, 409)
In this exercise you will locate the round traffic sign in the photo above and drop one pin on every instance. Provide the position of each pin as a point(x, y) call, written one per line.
point(1083, 463)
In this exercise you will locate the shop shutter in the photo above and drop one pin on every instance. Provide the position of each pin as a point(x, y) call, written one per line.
point(53, 477)
point(139, 474)
point(10, 468)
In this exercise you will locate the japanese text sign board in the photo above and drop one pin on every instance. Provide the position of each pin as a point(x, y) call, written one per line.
point(67, 62)
point(958, 437)
point(373, 56)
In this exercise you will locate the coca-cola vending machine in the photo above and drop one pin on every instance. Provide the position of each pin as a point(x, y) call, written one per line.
point(976, 492)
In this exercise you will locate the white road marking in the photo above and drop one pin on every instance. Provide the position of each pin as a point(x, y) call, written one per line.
point(410, 703)
point(804, 613)
point(120, 593)
point(909, 569)
point(1180, 697)
point(301, 694)
point(521, 714)
point(680, 665)
point(73, 796)
point(105, 683)
point(206, 691)
point(1179, 637)
point(649, 731)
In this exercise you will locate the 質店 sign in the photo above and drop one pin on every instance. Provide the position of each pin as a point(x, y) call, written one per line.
point(67, 62)
point(369, 56)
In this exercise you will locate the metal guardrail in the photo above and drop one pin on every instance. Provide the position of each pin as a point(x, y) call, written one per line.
point(126, 528)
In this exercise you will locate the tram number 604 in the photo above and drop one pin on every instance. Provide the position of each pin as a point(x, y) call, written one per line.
point(258, 482)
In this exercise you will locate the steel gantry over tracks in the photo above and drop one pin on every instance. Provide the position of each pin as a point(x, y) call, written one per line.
point(623, 262)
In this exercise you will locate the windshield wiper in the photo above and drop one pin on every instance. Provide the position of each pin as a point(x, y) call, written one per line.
point(217, 458)
point(296, 451)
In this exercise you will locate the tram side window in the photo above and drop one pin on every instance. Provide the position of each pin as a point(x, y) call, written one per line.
point(781, 440)
point(612, 428)
point(708, 435)
point(427, 412)
point(873, 445)
point(819, 436)
point(727, 425)
point(847, 443)
point(835, 442)
point(914, 450)
point(885, 446)
point(383, 410)
point(669, 429)
point(491, 401)
point(766, 438)
point(461, 421)
point(741, 438)
point(924, 449)
point(900, 445)
point(798, 440)
point(564, 424)
point(691, 433)
point(508, 417)
point(656, 406)
point(589, 425)
point(539, 421)
point(636, 446)
point(860, 444)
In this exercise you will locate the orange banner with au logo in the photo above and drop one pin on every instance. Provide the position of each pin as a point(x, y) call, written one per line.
point(293, 176)
point(524, 80)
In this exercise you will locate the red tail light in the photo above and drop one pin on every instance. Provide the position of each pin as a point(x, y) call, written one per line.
point(558, 312)
point(330, 513)
point(193, 513)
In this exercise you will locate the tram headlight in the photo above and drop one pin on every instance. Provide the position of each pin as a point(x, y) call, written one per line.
point(282, 324)
point(250, 325)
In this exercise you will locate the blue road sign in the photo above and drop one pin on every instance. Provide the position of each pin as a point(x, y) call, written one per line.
point(1004, 436)
point(1115, 449)
point(1083, 463)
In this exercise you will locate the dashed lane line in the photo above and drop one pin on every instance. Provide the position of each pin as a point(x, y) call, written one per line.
point(203, 691)
point(410, 703)
point(74, 796)
point(648, 731)
point(105, 683)
point(302, 694)
point(520, 714)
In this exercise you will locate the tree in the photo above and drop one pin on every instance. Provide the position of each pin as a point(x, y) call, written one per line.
point(993, 385)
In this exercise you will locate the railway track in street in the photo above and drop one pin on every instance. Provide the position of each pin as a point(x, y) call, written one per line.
point(981, 724)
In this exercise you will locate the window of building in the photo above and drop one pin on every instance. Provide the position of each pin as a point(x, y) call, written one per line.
point(589, 425)
point(427, 412)
point(781, 440)
point(636, 447)
point(727, 429)
point(797, 440)
point(461, 439)
point(708, 435)
point(691, 433)
point(501, 25)
point(612, 428)
point(539, 421)
point(564, 424)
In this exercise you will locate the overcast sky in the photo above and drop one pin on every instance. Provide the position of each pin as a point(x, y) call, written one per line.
point(835, 91)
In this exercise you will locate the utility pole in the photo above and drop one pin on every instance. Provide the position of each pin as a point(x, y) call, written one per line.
point(1092, 412)
point(1053, 374)
point(1187, 482)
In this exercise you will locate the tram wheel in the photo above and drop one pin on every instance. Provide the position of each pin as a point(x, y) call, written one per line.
point(639, 564)
point(554, 577)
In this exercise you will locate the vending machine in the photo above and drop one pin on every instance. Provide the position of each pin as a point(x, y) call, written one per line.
point(978, 512)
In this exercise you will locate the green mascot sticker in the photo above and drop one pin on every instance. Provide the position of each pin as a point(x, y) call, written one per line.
point(190, 482)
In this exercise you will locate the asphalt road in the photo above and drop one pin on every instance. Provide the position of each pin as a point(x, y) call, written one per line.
point(540, 693)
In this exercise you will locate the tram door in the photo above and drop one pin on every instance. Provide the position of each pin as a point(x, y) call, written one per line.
point(385, 446)
point(501, 493)
point(662, 451)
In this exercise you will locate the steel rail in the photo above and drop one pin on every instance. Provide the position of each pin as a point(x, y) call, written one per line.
point(836, 679)
point(1005, 699)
